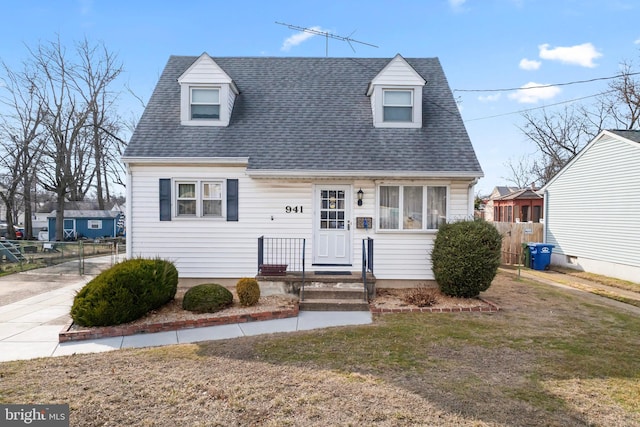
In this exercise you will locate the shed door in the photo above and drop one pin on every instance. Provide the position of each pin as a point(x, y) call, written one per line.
point(69, 229)
point(332, 225)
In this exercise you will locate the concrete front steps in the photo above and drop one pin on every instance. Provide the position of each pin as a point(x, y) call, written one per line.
point(321, 291)
point(332, 298)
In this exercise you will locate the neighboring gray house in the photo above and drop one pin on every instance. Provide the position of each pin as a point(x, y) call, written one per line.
point(592, 207)
point(332, 150)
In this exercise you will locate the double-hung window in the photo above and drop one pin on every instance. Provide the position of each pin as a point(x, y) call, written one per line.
point(412, 207)
point(205, 104)
point(397, 105)
point(199, 199)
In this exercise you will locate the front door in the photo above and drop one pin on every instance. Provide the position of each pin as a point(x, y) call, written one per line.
point(332, 225)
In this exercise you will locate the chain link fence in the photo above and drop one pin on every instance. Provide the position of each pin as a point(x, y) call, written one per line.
point(23, 255)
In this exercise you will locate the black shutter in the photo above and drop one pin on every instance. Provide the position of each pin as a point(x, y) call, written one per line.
point(165, 199)
point(232, 200)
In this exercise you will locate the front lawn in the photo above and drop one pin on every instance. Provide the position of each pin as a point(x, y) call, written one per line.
point(548, 357)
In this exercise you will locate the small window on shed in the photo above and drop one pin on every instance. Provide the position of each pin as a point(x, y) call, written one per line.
point(94, 224)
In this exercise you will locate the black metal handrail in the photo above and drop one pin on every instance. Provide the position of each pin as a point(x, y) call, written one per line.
point(282, 255)
point(367, 261)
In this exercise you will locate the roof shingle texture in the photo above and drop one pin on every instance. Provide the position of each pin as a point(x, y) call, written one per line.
point(308, 114)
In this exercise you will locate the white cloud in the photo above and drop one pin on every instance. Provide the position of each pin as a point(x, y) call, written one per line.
point(526, 95)
point(299, 38)
point(636, 41)
point(457, 5)
point(489, 98)
point(582, 54)
point(529, 64)
point(85, 6)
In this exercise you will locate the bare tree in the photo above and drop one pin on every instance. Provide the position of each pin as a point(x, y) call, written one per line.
point(558, 137)
point(521, 171)
point(624, 99)
point(76, 120)
point(20, 145)
point(97, 72)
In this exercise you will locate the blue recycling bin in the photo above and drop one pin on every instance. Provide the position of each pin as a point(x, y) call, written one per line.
point(540, 255)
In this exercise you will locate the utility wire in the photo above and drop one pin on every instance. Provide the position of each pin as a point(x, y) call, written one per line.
point(549, 85)
point(538, 108)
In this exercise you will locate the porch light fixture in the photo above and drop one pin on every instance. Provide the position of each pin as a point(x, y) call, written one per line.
point(360, 195)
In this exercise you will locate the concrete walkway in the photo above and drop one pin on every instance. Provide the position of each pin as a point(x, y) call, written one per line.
point(35, 305)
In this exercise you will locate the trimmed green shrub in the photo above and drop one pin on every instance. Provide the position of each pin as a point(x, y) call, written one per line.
point(466, 257)
point(125, 292)
point(207, 298)
point(248, 291)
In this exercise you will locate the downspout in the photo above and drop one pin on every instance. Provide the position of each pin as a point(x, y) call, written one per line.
point(129, 201)
point(546, 216)
point(471, 198)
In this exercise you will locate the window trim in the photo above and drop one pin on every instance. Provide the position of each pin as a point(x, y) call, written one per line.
point(199, 198)
point(385, 105)
point(401, 186)
point(96, 222)
point(192, 103)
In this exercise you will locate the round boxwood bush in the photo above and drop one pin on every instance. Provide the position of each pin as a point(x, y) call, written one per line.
point(466, 257)
point(248, 291)
point(125, 292)
point(207, 298)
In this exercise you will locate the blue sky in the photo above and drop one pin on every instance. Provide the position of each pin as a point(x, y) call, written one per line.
point(482, 44)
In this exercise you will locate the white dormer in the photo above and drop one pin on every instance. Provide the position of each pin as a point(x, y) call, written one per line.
point(207, 94)
point(396, 96)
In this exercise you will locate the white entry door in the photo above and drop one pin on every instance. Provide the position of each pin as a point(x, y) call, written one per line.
point(332, 225)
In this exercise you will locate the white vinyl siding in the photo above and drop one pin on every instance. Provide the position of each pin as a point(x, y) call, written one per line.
point(593, 206)
point(223, 249)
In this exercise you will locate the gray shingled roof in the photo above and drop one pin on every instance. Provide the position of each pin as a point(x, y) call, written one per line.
point(309, 114)
point(89, 214)
point(631, 135)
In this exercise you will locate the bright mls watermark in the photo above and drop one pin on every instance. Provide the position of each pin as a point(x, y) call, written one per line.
point(34, 415)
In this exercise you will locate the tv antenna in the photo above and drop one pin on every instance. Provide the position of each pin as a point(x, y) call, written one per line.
point(327, 35)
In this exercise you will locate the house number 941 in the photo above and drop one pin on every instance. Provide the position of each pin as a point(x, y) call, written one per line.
point(293, 209)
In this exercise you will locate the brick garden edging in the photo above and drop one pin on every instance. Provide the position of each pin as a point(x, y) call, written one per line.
point(67, 334)
point(124, 330)
point(492, 307)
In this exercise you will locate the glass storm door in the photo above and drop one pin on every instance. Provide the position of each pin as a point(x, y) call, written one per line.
point(332, 225)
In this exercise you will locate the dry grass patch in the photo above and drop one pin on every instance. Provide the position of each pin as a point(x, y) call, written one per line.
point(549, 357)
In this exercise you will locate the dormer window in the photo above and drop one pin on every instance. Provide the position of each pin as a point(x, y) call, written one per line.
point(207, 94)
point(205, 104)
point(397, 105)
point(396, 96)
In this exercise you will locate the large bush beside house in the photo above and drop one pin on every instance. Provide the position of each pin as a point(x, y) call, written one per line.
point(125, 292)
point(207, 298)
point(466, 257)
